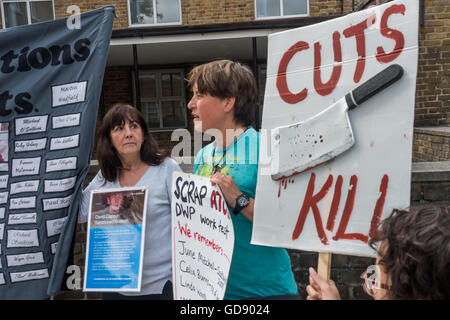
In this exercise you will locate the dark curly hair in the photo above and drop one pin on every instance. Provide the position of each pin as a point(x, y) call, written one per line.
point(108, 159)
point(416, 252)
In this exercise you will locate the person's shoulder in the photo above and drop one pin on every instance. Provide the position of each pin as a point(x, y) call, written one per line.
point(209, 146)
point(251, 132)
point(99, 179)
point(205, 151)
point(250, 135)
point(170, 163)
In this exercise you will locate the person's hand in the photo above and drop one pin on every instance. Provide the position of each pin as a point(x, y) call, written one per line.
point(230, 192)
point(320, 289)
point(228, 187)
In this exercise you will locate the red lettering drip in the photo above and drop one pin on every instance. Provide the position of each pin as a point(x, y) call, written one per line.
point(283, 183)
point(282, 85)
point(379, 207)
point(357, 31)
point(335, 203)
point(311, 201)
point(326, 88)
point(348, 208)
point(396, 35)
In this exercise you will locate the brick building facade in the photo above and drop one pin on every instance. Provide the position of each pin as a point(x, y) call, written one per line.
point(210, 29)
point(433, 84)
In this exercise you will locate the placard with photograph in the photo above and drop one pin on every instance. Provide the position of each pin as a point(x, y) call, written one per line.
point(115, 240)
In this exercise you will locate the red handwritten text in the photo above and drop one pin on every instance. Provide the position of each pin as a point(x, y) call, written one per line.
point(358, 32)
point(310, 204)
point(219, 204)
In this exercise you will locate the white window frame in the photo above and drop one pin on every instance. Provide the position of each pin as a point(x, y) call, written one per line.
point(159, 97)
point(155, 20)
point(28, 9)
point(282, 15)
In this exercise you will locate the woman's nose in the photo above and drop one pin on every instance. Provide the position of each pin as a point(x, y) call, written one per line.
point(191, 104)
point(127, 130)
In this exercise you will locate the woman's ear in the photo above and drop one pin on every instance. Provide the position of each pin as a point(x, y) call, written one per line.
point(229, 104)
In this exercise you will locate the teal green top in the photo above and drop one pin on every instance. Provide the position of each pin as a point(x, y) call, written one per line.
point(256, 271)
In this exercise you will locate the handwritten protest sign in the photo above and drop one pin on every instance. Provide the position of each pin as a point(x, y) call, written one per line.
point(336, 206)
point(50, 84)
point(202, 239)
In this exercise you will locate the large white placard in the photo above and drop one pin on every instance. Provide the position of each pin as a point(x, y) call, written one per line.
point(202, 239)
point(336, 206)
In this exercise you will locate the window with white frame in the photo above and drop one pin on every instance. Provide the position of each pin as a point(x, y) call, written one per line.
point(162, 98)
point(152, 12)
point(17, 13)
point(281, 8)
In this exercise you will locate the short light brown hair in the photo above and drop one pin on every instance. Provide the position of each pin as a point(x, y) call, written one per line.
point(228, 79)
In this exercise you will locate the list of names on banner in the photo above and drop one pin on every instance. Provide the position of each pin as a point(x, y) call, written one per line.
point(37, 182)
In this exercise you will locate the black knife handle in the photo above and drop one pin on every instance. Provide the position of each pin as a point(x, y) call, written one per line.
point(377, 83)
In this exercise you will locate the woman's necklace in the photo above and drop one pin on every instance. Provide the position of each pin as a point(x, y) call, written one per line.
point(133, 171)
point(218, 167)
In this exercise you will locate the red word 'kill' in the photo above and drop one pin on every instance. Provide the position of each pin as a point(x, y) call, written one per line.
point(310, 204)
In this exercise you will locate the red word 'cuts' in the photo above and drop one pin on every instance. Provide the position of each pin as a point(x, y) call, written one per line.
point(357, 32)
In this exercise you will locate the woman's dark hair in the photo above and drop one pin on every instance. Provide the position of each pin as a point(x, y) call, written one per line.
point(416, 252)
point(107, 156)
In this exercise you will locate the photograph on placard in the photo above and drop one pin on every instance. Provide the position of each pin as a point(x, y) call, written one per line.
point(4, 150)
point(117, 208)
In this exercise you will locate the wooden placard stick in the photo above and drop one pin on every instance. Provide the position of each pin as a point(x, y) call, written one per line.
point(324, 265)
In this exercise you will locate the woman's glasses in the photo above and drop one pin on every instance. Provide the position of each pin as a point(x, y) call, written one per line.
point(370, 280)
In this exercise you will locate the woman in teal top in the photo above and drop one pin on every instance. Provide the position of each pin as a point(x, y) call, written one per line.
point(223, 105)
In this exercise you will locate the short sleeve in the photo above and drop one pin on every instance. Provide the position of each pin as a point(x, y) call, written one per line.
point(96, 183)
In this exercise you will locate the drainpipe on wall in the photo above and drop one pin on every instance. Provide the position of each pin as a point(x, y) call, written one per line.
point(255, 72)
point(136, 78)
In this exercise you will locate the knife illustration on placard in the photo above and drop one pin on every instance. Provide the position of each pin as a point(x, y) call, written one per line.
point(302, 146)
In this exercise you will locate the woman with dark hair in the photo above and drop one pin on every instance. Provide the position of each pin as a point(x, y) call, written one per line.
point(129, 156)
point(413, 259)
